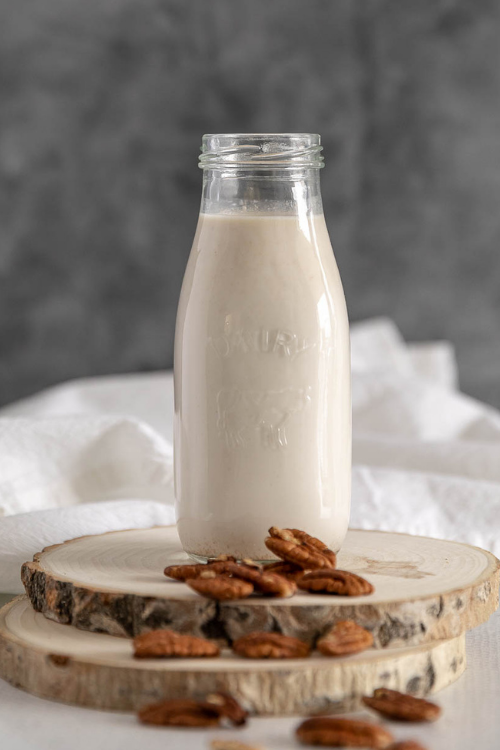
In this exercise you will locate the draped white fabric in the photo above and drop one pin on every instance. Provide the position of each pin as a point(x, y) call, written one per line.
point(96, 455)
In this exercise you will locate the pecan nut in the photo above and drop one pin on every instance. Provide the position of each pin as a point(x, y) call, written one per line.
point(402, 707)
point(168, 643)
point(192, 713)
point(270, 584)
point(221, 588)
point(339, 582)
point(270, 646)
point(297, 547)
point(332, 732)
point(180, 713)
point(346, 637)
point(228, 708)
point(287, 570)
point(183, 572)
point(194, 570)
point(317, 543)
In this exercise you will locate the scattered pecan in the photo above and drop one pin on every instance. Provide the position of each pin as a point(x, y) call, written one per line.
point(400, 706)
point(270, 646)
point(346, 637)
point(167, 643)
point(228, 707)
point(338, 582)
point(270, 584)
point(297, 547)
point(332, 732)
point(406, 745)
point(180, 713)
point(221, 587)
point(287, 570)
point(183, 572)
point(194, 570)
point(192, 713)
point(317, 543)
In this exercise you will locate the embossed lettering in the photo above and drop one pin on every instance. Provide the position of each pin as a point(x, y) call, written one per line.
point(285, 343)
point(264, 340)
point(280, 342)
point(303, 345)
point(243, 414)
point(221, 345)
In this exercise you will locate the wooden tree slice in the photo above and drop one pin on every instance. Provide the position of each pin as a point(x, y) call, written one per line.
point(425, 589)
point(98, 671)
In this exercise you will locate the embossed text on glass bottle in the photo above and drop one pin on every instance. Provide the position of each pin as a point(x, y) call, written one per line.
point(262, 364)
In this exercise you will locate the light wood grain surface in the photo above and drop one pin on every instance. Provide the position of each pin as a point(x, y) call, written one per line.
point(95, 670)
point(425, 589)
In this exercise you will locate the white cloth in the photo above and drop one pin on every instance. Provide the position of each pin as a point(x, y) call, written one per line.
point(21, 534)
point(425, 456)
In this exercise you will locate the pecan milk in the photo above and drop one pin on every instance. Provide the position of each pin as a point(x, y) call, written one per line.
point(262, 385)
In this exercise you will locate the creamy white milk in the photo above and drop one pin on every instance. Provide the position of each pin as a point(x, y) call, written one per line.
point(262, 386)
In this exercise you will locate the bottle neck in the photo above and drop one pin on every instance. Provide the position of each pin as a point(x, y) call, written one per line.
point(287, 191)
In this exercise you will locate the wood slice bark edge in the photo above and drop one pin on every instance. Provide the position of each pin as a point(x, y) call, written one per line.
point(396, 623)
point(332, 686)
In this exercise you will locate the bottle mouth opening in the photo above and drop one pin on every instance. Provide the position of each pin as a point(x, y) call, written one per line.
point(261, 151)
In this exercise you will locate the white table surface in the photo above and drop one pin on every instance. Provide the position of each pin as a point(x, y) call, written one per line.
point(470, 721)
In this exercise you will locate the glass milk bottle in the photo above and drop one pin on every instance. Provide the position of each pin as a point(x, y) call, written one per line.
point(262, 364)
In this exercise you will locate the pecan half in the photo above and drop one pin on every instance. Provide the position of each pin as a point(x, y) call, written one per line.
point(332, 732)
point(221, 588)
point(346, 637)
point(228, 707)
point(339, 582)
point(192, 713)
point(287, 570)
point(400, 706)
point(297, 547)
point(317, 543)
point(269, 584)
point(183, 572)
point(406, 745)
point(167, 643)
point(194, 570)
point(180, 713)
point(270, 646)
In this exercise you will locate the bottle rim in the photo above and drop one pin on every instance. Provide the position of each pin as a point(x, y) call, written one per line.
point(261, 151)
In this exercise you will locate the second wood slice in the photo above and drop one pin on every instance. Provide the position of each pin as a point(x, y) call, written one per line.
point(425, 590)
point(98, 671)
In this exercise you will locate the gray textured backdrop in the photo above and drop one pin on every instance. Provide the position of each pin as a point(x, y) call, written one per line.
point(102, 107)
